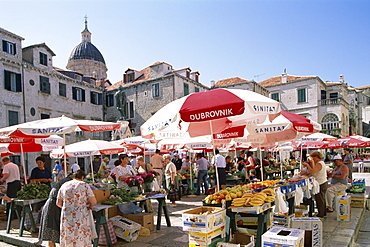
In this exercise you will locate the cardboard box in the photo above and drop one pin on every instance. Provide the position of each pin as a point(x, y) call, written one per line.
point(238, 240)
point(281, 236)
point(358, 200)
point(313, 230)
point(300, 213)
point(125, 228)
point(101, 195)
point(212, 244)
point(144, 219)
point(112, 211)
point(203, 219)
point(206, 239)
point(246, 219)
point(343, 208)
point(282, 220)
point(250, 230)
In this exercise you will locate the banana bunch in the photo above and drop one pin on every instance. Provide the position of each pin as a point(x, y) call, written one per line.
point(258, 199)
point(238, 202)
point(270, 193)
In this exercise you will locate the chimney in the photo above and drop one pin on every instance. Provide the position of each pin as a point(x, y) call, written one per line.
point(341, 79)
point(284, 77)
point(213, 83)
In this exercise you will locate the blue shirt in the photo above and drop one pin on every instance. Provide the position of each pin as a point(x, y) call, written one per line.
point(37, 173)
point(202, 164)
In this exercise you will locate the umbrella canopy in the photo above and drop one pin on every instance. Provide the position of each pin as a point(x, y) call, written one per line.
point(319, 137)
point(284, 127)
point(59, 125)
point(209, 112)
point(88, 148)
point(29, 145)
point(310, 145)
point(353, 141)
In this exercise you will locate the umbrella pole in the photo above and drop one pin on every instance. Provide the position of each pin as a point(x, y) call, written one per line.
point(300, 162)
point(261, 168)
point(24, 166)
point(65, 156)
point(281, 166)
point(214, 156)
point(92, 169)
point(191, 178)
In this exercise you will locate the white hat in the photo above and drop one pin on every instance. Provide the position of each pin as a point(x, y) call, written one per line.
point(337, 157)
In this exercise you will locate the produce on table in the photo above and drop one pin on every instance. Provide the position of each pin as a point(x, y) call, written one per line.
point(125, 195)
point(254, 199)
point(237, 191)
point(34, 191)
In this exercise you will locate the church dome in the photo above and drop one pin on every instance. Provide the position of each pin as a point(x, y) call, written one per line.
point(86, 50)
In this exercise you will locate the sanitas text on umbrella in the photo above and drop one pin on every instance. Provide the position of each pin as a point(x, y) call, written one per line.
point(264, 108)
point(47, 131)
point(270, 129)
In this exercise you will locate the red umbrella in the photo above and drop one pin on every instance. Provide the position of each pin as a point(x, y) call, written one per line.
point(353, 141)
point(209, 112)
point(310, 145)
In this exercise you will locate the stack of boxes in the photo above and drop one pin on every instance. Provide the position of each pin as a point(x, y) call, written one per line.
point(205, 225)
point(285, 237)
point(358, 185)
point(343, 208)
point(246, 223)
point(282, 220)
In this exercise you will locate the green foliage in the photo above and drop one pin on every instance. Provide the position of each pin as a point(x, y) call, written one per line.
point(34, 191)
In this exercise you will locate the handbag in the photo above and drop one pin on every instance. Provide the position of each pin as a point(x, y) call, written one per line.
point(173, 194)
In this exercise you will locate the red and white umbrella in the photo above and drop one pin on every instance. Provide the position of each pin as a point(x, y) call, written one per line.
point(58, 125)
point(29, 145)
point(353, 141)
point(209, 112)
point(88, 148)
point(283, 128)
point(319, 137)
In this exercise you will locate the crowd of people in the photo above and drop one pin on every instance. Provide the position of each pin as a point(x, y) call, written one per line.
point(65, 214)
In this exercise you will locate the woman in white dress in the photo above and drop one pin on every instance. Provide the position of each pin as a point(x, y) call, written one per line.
point(75, 198)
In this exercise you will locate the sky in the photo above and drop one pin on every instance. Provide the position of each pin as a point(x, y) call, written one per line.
point(252, 39)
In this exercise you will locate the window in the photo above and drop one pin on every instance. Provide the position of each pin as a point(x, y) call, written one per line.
point(196, 89)
point(109, 100)
point(78, 94)
point(155, 90)
point(13, 117)
point(43, 59)
point(44, 84)
point(79, 133)
point(130, 77)
point(330, 121)
point(78, 77)
point(12, 81)
point(301, 95)
point(62, 89)
point(45, 116)
point(323, 94)
point(131, 109)
point(333, 95)
point(96, 98)
point(275, 96)
point(9, 47)
point(186, 89)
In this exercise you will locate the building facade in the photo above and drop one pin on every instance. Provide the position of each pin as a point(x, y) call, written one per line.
point(31, 89)
point(148, 90)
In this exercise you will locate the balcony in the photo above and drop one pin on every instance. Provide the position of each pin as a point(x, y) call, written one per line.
point(333, 101)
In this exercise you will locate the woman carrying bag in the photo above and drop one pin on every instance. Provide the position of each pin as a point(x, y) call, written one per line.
point(170, 174)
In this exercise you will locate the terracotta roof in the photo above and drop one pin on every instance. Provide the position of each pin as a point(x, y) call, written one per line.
point(277, 80)
point(230, 81)
point(144, 77)
point(364, 87)
point(331, 83)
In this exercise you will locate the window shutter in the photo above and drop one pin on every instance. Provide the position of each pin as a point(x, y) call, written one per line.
point(4, 46)
point(124, 78)
point(7, 80)
point(100, 99)
point(18, 83)
point(47, 85)
point(92, 99)
point(15, 48)
point(74, 93)
point(83, 95)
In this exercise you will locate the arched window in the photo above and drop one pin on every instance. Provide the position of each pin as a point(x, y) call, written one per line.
point(330, 121)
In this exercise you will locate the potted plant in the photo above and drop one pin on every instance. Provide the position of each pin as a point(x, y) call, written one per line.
point(148, 178)
point(134, 183)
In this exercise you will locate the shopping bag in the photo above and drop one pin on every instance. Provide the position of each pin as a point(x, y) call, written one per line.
point(103, 239)
point(173, 194)
point(94, 235)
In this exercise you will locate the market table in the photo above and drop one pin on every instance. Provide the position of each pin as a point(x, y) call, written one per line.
point(234, 181)
point(99, 215)
point(263, 215)
point(161, 198)
point(26, 206)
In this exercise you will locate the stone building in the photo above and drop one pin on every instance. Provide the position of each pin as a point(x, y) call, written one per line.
point(149, 89)
point(241, 83)
point(31, 89)
point(333, 104)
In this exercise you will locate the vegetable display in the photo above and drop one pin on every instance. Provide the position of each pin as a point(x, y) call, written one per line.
point(34, 191)
point(119, 195)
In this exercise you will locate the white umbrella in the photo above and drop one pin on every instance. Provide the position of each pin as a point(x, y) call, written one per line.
point(88, 148)
point(58, 125)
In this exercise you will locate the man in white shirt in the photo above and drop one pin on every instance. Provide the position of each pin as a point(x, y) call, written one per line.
point(220, 163)
point(75, 167)
point(157, 163)
point(12, 178)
